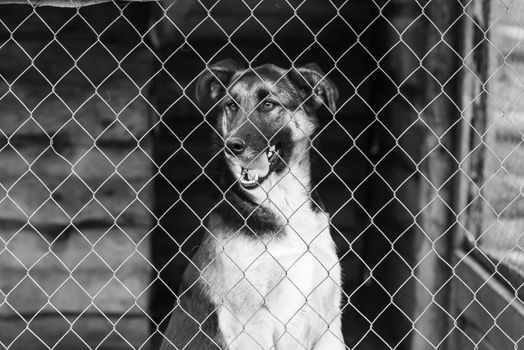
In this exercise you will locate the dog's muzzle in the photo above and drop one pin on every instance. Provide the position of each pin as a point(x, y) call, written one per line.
point(253, 173)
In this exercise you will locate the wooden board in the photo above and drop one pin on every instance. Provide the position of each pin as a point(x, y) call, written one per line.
point(53, 165)
point(90, 104)
point(50, 196)
point(106, 268)
point(503, 168)
point(89, 331)
point(74, 205)
point(485, 303)
point(63, 3)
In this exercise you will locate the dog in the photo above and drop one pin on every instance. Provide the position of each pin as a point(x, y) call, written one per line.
point(266, 275)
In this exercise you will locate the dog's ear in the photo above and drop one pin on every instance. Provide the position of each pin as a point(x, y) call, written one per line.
point(211, 86)
point(314, 87)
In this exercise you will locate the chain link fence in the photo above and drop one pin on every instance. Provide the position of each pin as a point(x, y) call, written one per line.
point(106, 157)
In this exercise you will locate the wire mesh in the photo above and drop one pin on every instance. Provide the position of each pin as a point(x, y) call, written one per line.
point(106, 185)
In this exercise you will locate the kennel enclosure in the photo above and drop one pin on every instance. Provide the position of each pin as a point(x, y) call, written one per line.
point(103, 177)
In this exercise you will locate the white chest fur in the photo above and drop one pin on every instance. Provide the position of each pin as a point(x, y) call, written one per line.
point(279, 293)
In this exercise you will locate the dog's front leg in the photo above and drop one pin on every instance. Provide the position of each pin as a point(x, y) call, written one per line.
point(255, 333)
point(332, 339)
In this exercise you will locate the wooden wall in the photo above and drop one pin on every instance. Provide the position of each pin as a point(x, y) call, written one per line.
point(491, 263)
point(503, 220)
point(75, 168)
point(412, 186)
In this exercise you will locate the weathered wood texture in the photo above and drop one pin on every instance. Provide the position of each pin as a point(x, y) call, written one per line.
point(503, 172)
point(473, 102)
point(76, 168)
point(392, 200)
point(63, 3)
point(472, 154)
point(490, 316)
point(89, 331)
point(492, 137)
point(439, 163)
point(414, 147)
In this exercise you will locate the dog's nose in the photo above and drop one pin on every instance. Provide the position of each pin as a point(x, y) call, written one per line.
point(235, 146)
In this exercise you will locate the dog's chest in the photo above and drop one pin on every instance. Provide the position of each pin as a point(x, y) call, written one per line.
point(292, 279)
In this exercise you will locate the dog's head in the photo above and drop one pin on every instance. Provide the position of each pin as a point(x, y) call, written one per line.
point(264, 115)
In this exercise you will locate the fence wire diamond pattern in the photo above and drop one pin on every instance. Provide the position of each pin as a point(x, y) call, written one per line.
point(105, 180)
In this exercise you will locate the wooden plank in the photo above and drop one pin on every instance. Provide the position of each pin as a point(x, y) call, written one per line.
point(436, 193)
point(471, 339)
point(60, 246)
point(505, 311)
point(502, 192)
point(473, 100)
point(29, 201)
point(503, 201)
point(111, 109)
point(394, 162)
point(86, 286)
point(92, 265)
point(97, 95)
point(92, 165)
point(88, 331)
point(64, 3)
point(87, 178)
point(272, 14)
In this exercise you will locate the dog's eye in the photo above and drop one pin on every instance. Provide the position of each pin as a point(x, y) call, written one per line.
point(268, 105)
point(232, 106)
